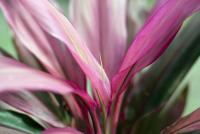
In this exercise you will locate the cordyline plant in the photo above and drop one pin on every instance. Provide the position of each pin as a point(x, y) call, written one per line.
point(78, 76)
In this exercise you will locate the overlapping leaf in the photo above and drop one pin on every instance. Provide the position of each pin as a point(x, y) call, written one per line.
point(54, 23)
point(23, 77)
point(149, 44)
point(19, 122)
point(103, 26)
point(67, 130)
point(158, 83)
point(185, 124)
point(31, 35)
point(27, 102)
point(154, 121)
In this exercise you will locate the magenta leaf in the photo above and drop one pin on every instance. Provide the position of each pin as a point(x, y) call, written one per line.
point(50, 20)
point(24, 77)
point(15, 76)
point(103, 26)
point(67, 130)
point(60, 51)
point(154, 38)
point(69, 66)
point(27, 102)
point(30, 35)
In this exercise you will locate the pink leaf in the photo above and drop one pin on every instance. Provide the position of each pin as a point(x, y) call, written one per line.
point(15, 76)
point(85, 18)
point(103, 26)
point(30, 35)
point(69, 66)
point(154, 38)
point(50, 51)
point(53, 22)
point(67, 130)
point(27, 102)
point(185, 124)
point(25, 56)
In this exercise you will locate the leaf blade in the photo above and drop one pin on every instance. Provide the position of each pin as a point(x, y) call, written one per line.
point(62, 131)
point(149, 45)
point(19, 122)
point(188, 123)
point(63, 30)
point(23, 77)
point(106, 40)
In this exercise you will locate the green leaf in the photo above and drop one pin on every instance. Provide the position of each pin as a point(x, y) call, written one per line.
point(6, 37)
point(19, 122)
point(156, 85)
point(159, 118)
point(181, 56)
